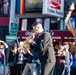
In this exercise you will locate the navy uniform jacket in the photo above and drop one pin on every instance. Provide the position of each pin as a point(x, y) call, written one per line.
point(44, 47)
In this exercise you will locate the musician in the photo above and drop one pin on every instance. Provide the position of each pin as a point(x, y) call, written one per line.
point(44, 46)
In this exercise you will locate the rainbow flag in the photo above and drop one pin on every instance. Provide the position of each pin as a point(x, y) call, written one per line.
point(20, 7)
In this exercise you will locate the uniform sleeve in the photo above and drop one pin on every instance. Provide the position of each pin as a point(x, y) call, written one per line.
point(45, 41)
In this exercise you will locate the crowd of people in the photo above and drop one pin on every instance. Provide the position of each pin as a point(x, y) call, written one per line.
point(65, 59)
point(37, 59)
point(26, 62)
point(38, 55)
point(21, 59)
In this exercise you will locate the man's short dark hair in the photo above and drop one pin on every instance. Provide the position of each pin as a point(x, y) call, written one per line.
point(36, 23)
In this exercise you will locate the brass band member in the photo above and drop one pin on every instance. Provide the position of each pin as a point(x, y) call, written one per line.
point(44, 46)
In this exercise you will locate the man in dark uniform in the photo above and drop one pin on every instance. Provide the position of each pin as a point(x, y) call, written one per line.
point(44, 46)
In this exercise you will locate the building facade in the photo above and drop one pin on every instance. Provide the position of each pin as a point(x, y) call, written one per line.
point(33, 12)
point(4, 18)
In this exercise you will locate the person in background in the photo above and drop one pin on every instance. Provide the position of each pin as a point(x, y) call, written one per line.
point(21, 58)
point(12, 59)
point(3, 46)
point(68, 59)
point(60, 60)
point(30, 67)
point(44, 46)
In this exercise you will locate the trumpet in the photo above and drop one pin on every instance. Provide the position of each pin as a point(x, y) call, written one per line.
point(26, 45)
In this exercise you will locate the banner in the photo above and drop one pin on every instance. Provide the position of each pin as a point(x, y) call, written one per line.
point(20, 7)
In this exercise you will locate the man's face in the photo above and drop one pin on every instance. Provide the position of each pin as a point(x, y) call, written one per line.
point(37, 29)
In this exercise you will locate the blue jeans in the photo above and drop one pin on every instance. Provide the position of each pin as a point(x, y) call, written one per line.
point(58, 70)
point(67, 69)
point(34, 71)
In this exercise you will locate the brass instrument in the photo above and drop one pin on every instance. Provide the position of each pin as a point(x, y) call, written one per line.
point(26, 45)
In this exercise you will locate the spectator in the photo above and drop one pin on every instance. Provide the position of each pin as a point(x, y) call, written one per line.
point(3, 46)
point(21, 58)
point(12, 59)
point(31, 63)
point(68, 58)
point(60, 60)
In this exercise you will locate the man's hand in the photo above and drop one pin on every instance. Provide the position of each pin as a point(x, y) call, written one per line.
point(72, 7)
point(30, 41)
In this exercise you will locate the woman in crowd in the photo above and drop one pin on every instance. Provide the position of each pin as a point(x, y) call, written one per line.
point(12, 59)
point(60, 60)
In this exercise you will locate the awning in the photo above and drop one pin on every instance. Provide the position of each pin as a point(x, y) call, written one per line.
point(56, 34)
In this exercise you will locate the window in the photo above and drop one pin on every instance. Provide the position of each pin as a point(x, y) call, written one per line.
point(47, 22)
point(24, 24)
point(30, 22)
point(4, 7)
point(3, 32)
point(54, 24)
